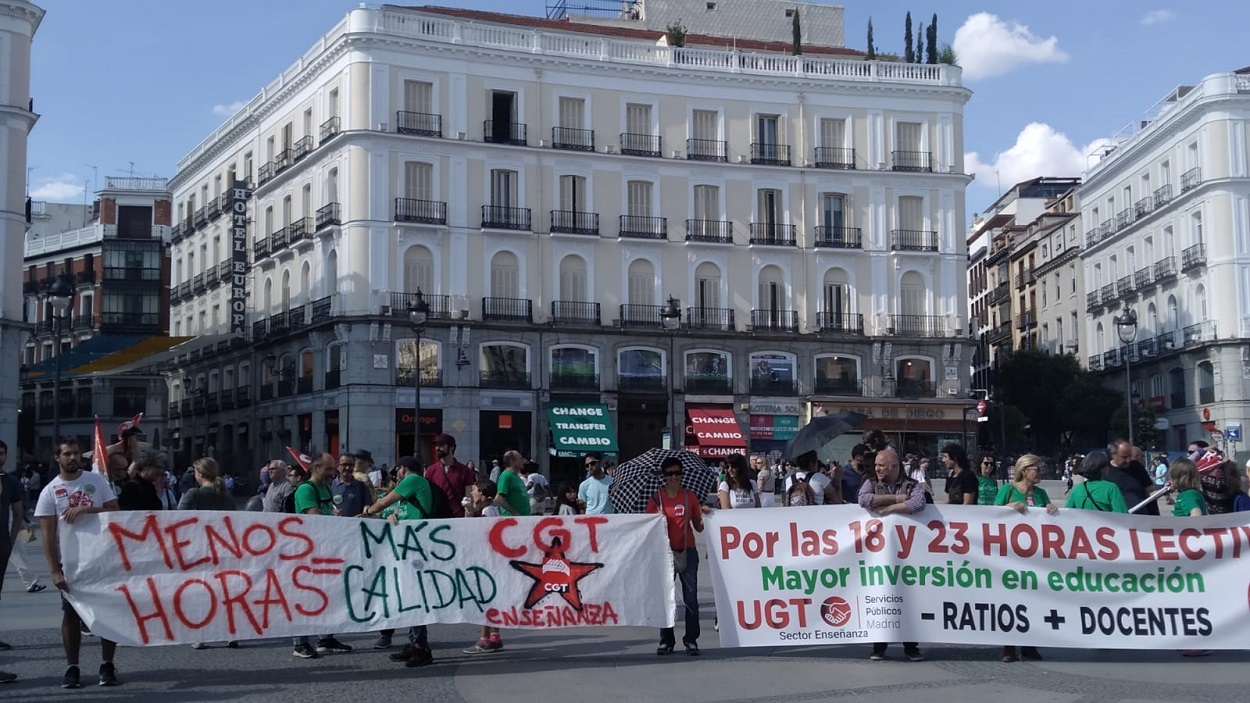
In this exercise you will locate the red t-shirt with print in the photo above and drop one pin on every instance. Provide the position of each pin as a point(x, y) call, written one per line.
point(678, 513)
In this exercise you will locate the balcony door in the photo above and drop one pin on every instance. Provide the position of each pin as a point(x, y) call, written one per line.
point(418, 180)
point(573, 194)
point(503, 188)
point(638, 194)
point(573, 279)
point(707, 283)
point(505, 279)
point(772, 292)
point(418, 97)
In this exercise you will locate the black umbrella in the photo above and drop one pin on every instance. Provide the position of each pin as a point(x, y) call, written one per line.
point(636, 480)
point(817, 434)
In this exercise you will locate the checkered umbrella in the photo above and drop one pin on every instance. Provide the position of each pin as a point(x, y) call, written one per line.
point(636, 480)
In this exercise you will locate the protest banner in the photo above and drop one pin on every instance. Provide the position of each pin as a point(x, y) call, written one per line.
point(980, 575)
point(179, 577)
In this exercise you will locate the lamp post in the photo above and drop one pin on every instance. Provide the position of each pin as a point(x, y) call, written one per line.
point(670, 317)
point(1126, 327)
point(60, 295)
point(418, 313)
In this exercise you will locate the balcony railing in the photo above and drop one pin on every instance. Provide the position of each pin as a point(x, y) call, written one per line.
point(1123, 218)
point(117, 273)
point(1199, 332)
point(283, 160)
point(423, 124)
point(1002, 333)
point(903, 388)
point(704, 318)
point(333, 378)
point(1092, 236)
point(266, 173)
point(572, 222)
point(837, 386)
point(278, 240)
point(772, 234)
point(505, 380)
point(915, 325)
point(277, 324)
point(706, 150)
point(201, 217)
point(1142, 207)
point(82, 321)
point(775, 320)
point(710, 231)
point(430, 212)
point(243, 396)
point(214, 208)
point(636, 315)
point(1142, 278)
point(299, 230)
point(498, 217)
point(770, 154)
point(1162, 195)
point(184, 290)
point(1026, 320)
point(260, 248)
point(508, 309)
point(575, 382)
point(998, 294)
point(1108, 293)
point(1124, 286)
point(913, 240)
point(835, 157)
point(1191, 179)
point(1164, 269)
point(1111, 358)
point(304, 146)
point(1193, 257)
point(574, 312)
point(572, 139)
point(401, 303)
point(1108, 227)
point(504, 133)
point(130, 319)
point(329, 130)
point(323, 309)
point(199, 282)
point(708, 385)
point(775, 388)
point(296, 318)
point(176, 233)
point(639, 227)
point(840, 322)
point(1146, 347)
point(1095, 362)
point(210, 276)
point(641, 144)
point(640, 384)
point(912, 161)
point(327, 216)
point(838, 237)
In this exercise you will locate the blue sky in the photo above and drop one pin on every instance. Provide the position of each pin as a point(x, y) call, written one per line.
point(144, 81)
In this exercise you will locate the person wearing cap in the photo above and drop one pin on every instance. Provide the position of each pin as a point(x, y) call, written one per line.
point(495, 470)
point(449, 475)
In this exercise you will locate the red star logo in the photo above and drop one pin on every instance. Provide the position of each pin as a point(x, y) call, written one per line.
point(556, 574)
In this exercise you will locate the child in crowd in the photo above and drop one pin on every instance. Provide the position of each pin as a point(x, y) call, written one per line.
point(482, 496)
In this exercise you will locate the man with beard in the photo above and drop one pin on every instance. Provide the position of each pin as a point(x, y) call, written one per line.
point(142, 491)
point(351, 495)
point(313, 497)
point(449, 475)
point(1130, 476)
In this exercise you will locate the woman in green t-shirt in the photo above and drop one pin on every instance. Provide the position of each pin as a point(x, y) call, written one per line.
point(1096, 492)
point(1189, 499)
point(1020, 495)
point(987, 483)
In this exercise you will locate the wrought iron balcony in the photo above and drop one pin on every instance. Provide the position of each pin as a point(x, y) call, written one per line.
point(915, 325)
point(1162, 195)
point(323, 309)
point(1199, 333)
point(283, 160)
point(130, 319)
point(266, 173)
point(83, 321)
point(504, 133)
point(201, 218)
point(1191, 179)
point(838, 237)
point(912, 161)
point(637, 315)
point(1142, 207)
point(1164, 269)
point(1193, 257)
point(999, 294)
point(1206, 396)
point(707, 385)
point(704, 318)
point(835, 157)
point(572, 222)
point(210, 276)
point(260, 329)
point(424, 124)
point(176, 233)
point(639, 227)
point(333, 378)
point(913, 240)
point(640, 384)
point(706, 150)
point(1026, 320)
point(770, 154)
point(641, 144)
point(401, 303)
point(904, 388)
point(1142, 279)
point(199, 282)
point(840, 322)
point(774, 387)
point(278, 240)
point(296, 318)
point(838, 386)
point(1146, 348)
point(1124, 286)
point(772, 234)
point(571, 139)
point(329, 130)
point(327, 216)
point(498, 217)
point(1111, 358)
point(574, 312)
point(1108, 228)
point(214, 208)
point(299, 230)
point(1108, 293)
point(575, 382)
point(1001, 333)
point(277, 324)
point(184, 290)
point(508, 309)
point(1123, 218)
point(430, 212)
point(1092, 236)
point(304, 146)
point(775, 320)
point(506, 380)
point(710, 231)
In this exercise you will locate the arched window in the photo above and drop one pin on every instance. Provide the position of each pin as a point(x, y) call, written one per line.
point(505, 365)
point(286, 290)
point(641, 368)
point(305, 282)
point(1174, 320)
point(1151, 321)
point(1200, 303)
point(331, 279)
point(641, 283)
point(835, 301)
point(573, 279)
point(772, 289)
point(574, 368)
point(332, 186)
point(913, 378)
point(505, 278)
point(707, 285)
point(708, 372)
point(773, 373)
point(427, 357)
point(912, 295)
point(418, 270)
point(306, 368)
point(268, 299)
point(1100, 340)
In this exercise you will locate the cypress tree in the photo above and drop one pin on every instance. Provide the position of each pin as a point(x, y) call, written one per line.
point(932, 42)
point(871, 55)
point(797, 30)
point(909, 53)
point(920, 55)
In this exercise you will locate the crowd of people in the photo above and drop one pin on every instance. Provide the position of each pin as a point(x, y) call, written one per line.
point(875, 477)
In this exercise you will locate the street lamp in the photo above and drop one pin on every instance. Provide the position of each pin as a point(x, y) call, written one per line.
point(59, 296)
point(670, 317)
point(418, 314)
point(1126, 327)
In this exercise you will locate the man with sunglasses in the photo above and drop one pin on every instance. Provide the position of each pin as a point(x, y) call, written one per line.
point(594, 490)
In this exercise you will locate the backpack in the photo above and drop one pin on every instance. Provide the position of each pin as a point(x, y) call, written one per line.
point(440, 507)
point(288, 504)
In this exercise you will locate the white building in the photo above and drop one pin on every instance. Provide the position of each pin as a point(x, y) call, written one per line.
point(548, 186)
point(1168, 235)
point(18, 23)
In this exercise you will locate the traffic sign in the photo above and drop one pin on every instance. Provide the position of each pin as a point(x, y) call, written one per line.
point(981, 407)
point(1232, 431)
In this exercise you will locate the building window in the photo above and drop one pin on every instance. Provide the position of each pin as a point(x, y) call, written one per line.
point(505, 276)
point(418, 180)
point(418, 270)
point(705, 125)
point(707, 202)
point(503, 188)
point(912, 294)
point(129, 401)
point(638, 199)
point(573, 194)
point(833, 133)
point(418, 97)
point(833, 213)
point(641, 283)
point(707, 284)
point(573, 279)
point(772, 290)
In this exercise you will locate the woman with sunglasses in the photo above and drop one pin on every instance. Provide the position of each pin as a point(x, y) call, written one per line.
point(987, 480)
point(683, 516)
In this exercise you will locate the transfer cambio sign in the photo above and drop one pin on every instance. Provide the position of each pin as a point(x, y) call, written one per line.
point(178, 577)
point(980, 575)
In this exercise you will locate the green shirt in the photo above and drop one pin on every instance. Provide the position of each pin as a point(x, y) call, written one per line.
point(512, 488)
point(403, 509)
point(1010, 494)
point(1097, 495)
point(1186, 501)
point(418, 500)
point(987, 490)
point(312, 495)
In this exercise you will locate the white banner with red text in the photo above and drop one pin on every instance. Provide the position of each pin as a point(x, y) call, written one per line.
point(980, 575)
point(181, 577)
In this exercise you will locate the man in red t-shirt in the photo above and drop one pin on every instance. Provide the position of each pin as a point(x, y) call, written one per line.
point(449, 475)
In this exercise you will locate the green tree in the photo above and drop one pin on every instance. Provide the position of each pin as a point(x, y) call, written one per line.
point(871, 54)
point(948, 56)
point(931, 41)
point(796, 30)
point(920, 43)
point(1006, 423)
point(1144, 433)
point(1061, 400)
point(676, 34)
point(909, 51)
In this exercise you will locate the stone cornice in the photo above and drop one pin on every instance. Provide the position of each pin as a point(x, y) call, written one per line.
point(23, 11)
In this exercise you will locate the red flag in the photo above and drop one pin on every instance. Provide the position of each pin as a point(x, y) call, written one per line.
point(99, 451)
point(301, 458)
point(131, 423)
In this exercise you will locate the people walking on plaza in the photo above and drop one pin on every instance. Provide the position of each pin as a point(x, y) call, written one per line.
point(593, 492)
point(351, 494)
point(961, 483)
point(71, 494)
point(765, 480)
point(892, 492)
point(738, 490)
point(683, 517)
point(449, 475)
point(1096, 492)
point(1130, 476)
point(1020, 495)
point(512, 497)
point(313, 497)
point(280, 487)
point(987, 481)
point(567, 502)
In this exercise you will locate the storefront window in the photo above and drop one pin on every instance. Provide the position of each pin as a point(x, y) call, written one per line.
point(837, 375)
point(772, 373)
point(708, 372)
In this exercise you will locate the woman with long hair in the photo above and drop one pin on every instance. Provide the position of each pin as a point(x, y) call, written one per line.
point(737, 490)
point(1190, 502)
point(210, 488)
point(987, 482)
point(566, 500)
point(1096, 492)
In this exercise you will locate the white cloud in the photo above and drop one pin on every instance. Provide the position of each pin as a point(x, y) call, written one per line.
point(1039, 151)
point(228, 110)
point(63, 188)
point(988, 46)
point(1158, 17)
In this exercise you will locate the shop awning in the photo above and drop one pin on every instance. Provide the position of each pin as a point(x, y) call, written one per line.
point(716, 432)
point(578, 429)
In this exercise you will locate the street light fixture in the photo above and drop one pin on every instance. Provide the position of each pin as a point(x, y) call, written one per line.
point(418, 315)
point(1126, 327)
point(670, 317)
point(59, 297)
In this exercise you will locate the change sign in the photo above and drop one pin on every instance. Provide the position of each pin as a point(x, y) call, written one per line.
point(581, 428)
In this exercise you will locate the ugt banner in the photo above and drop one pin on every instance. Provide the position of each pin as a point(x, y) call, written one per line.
point(177, 577)
point(980, 575)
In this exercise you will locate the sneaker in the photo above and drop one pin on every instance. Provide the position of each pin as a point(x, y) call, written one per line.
point(479, 648)
point(232, 644)
point(305, 651)
point(71, 678)
point(913, 655)
point(878, 655)
point(7, 677)
point(421, 656)
point(384, 642)
point(495, 645)
point(108, 674)
point(329, 645)
point(199, 645)
point(404, 654)
point(36, 587)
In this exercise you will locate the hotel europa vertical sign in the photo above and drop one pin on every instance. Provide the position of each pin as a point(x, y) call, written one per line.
point(238, 258)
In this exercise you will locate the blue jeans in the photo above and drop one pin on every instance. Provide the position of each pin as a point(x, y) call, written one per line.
point(689, 578)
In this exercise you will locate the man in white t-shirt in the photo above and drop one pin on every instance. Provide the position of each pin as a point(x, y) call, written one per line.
point(538, 487)
point(69, 495)
point(819, 480)
point(593, 492)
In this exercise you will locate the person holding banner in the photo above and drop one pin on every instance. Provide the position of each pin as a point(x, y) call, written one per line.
point(313, 497)
point(683, 516)
point(1020, 495)
point(961, 484)
point(1096, 492)
point(987, 481)
point(72, 493)
point(1190, 501)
